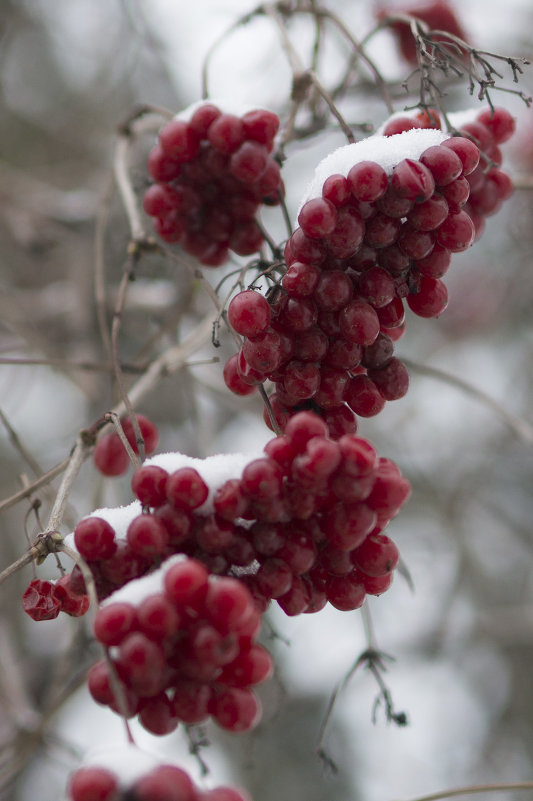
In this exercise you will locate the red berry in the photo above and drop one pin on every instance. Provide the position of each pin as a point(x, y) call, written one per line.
point(236, 709)
point(392, 379)
point(149, 485)
point(148, 431)
point(467, 151)
point(93, 784)
point(249, 313)
point(164, 783)
point(359, 322)
point(157, 717)
point(457, 232)
point(363, 396)
point(147, 535)
point(345, 592)
point(261, 126)
point(400, 124)
point(95, 538)
point(368, 181)
point(431, 299)
point(39, 600)
point(499, 122)
point(110, 456)
point(317, 218)
point(248, 162)
point(186, 583)
point(73, 603)
point(179, 141)
point(114, 621)
point(377, 555)
point(186, 489)
point(444, 165)
point(226, 133)
point(412, 180)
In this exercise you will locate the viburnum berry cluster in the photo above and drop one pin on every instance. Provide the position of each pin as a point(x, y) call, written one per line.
point(302, 524)
point(183, 648)
point(184, 574)
point(212, 172)
point(375, 234)
point(137, 782)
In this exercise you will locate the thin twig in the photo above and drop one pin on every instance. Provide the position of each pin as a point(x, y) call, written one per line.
point(129, 274)
point(20, 447)
point(520, 427)
point(476, 788)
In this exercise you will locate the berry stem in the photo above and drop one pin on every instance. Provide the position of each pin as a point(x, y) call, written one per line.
point(476, 788)
point(303, 78)
point(518, 426)
point(128, 276)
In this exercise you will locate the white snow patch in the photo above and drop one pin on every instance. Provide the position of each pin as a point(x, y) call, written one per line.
point(135, 591)
point(214, 470)
point(387, 151)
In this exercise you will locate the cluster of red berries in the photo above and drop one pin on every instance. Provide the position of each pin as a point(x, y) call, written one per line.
point(161, 783)
point(437, 14)
point(303, 524)
point(110, 456)
point(374, 239)
point(183, 648)
point(44, 600)
point(212, 172)
point(488, 186)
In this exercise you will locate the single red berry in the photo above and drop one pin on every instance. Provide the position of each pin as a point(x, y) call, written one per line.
point(94, 538)
point(317, 218)
point(110, 456)
point(147, 535)
point(149, 485)
point(186, 489)
point(93, 783)
point(236, 709)
point(377, 555)
point(249, 313)
point(39, 600)
point(71, 602)
point(164, 783)
point(114, 621)
point(148, 431)
point(368, 181)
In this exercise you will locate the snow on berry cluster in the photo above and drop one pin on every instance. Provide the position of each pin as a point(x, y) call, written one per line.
point(212, 172)
point(379, 225)
point(302, 524)
point(182, 643)
point(129, 774)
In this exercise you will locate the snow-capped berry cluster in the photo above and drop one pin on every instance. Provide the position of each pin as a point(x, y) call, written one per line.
point(375, 233)
point(212, 172)
point(159, 783)
point(488, 186)
point(183, 648)
point(44, 600)
point(302, 524)
point(110, 456)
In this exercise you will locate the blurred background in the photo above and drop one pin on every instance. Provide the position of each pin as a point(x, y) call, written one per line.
point(460, 640)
